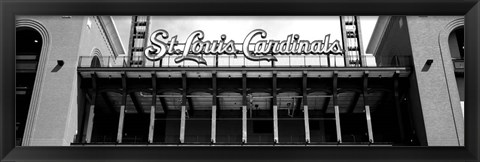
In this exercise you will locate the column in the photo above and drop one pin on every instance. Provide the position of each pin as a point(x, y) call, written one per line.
point(214, 123)
point(244, 124)
point(307, 124)
point(182, 124)
point(275, 107)
point(335, 104)
point(91, 111)
point(305, 108)
point(122, 109)
point(120, 124)
point(151, 129)
point(275, 124)
point(90, 123)
point(367, 107)
point(214, 108)
point(184, 106)
point(244, 107)
point(152, 124)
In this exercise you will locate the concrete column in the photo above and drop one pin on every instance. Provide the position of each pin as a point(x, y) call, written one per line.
point(369, 124)
point(335, 104)
point(307, 124)
point(152, 124)
point(244, 124)
point(182, 125)
point(91, 114)
point(305, 107)
point(367, 107)
point(120, 124)
point(214, 123)
point(151, 129)
point(337, 121)
point(275, 124)
point(214, 108)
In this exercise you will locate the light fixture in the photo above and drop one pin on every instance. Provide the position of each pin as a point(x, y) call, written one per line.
point(427, 65)
point(59, 65)
point(429, 62)
point(60, 62)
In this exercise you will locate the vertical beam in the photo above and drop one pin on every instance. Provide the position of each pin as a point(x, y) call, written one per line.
point(275, 107)
point(214, 124)
point(214, 107)
point(397, 105)
point(305, 108)
point(152, 108)
point(363, 60)
point(244, 124)
point(91, 113)
point(120, 124)
point(122, 109)
point(367, 107)
point(307, 123)
point(182, 124)
point(275, 124)
point(244, 107)
point(328, 60)
point(90, 123)
point(345, 38)
point(184, 104)
point(335, 105)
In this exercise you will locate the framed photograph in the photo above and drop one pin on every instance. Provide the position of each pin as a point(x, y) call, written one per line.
point(236, 81)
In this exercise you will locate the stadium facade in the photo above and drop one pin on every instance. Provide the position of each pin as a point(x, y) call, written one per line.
point(76, 85)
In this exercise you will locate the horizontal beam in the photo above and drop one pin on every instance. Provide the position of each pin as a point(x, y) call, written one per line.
point(180, 69)
point(260, 97)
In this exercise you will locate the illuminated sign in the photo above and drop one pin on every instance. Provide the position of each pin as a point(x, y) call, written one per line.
point(263, 49)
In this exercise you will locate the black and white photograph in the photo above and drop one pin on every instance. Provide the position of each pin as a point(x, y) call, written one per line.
point(245, 81)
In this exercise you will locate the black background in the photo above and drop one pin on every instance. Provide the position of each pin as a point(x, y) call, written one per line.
point(9, 8)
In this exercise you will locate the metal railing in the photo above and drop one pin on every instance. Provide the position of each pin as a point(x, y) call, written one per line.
point(230, 140)
point(241, 61)
point(103, 139)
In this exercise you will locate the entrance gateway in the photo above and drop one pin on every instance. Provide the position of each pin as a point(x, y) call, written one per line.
point(186, 89)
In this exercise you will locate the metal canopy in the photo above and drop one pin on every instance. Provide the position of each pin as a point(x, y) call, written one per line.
point(343, 72)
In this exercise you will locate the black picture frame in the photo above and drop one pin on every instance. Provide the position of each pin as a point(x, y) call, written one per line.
point(9, 9)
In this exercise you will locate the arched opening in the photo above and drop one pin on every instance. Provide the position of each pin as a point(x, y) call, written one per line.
point(456, 43)
point(28, 48)
point(30, 65)
point(95, 62)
